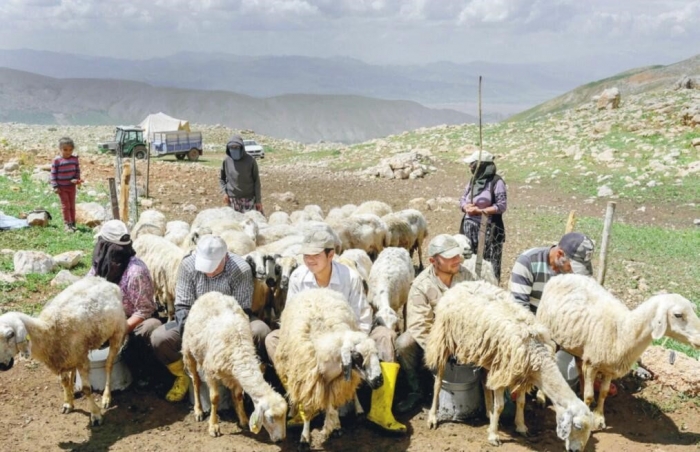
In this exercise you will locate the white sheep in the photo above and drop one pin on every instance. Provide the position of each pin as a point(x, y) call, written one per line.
point(301, 216)
point(315, 211)
point(279, 218)
point(81, 318)
point(366, 232)
point(399, 232)
point(217, 213)
point(377, 208)
point(218, 341)
point(606, 337)
point(162, 257)
point(336, 214)
point(282, 246)
point(238, 242)
point(273, 233)
point(150, 221)
point(256, 216)
point(389, 282)
point(419, 228)
point(322, 356)
point(176, 231)
point(479, 323)
point(359, 260)
point(469, 263)
point(348, 209)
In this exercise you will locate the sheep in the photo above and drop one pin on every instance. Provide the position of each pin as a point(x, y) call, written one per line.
point(301, 216)
point(377, 208)
point(322, 356)
point(336, 214)
point(469, 263)
point(238, 242)
point(189, 243)
point(264, 282)
point(399, 233)
point(606, 337)
point(419, 228)
point(273, 233)
point(162, 257)
point(279, 218)
point(176, 231)
point(284, 266)
point(479, 323)
point(281, 246)
point(218, 341)
point(367, 232)
point(81, 318)
point(247, 226)
point(389, 282)
point(360, 261)
point(256, 216)
point(150, 221)
point(348, 209)
point(218, 213)
point(315, 211)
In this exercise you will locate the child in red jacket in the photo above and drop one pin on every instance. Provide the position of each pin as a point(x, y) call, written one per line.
point(65, 175)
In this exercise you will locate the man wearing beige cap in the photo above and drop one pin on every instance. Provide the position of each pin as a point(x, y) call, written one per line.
point(320, 270)
point(210, 269)
point(445, 271)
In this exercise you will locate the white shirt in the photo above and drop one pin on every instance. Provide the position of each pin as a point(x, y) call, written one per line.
point(343, 281)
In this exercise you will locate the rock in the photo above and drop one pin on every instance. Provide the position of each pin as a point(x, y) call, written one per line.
point(69, 259)
point(609, 99)
point(683, 375)
point(146, 202)
point(11, 166)
point(604, 191)
point(64, 278)
point(190, 208)
point(41, 177)
point(605, 156)
point(90, 214)
point(8, 278)
point(386, 172)
point(287, 196)
point(696, 222)
point(38, 218)
point(695, 142)
point(417, 203)
point(432, 204)
point(416, 174)
point(26, 262)
point(686, 82)
point(693, 167)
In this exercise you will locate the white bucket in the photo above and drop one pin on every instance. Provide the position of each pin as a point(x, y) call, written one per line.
point(225, 399)
point(567, 367)
point(121, 377)
point(461, 396)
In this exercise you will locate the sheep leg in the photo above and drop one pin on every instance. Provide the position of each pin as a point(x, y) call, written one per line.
point(305, 441)
point(237, 393)
point(488, 394)
point(95, 414)
point(214, 429)
point(520, 426)
point(599, 412)
point(331, 425)
point(420, 257)
point(581, 379)
point(432, 415)
point(67, 383)
point(114, 344)
point(589, 379)
point(359, 411)
point(191, 365)
point(498, 403)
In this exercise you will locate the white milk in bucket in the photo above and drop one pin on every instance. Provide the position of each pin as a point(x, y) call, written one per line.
point(461, 396)
point(225, 398)
point(121, 377)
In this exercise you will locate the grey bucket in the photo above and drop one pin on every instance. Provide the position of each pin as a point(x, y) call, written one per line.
point(567, 367)
point(225, 399)
point(461, 396)
point(121, 377)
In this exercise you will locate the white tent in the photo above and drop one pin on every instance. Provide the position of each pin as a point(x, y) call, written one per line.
point(160, 122)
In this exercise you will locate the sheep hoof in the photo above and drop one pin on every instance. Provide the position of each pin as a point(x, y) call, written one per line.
point(66, 408)
point(599, 422)
point(199, 417)
point(214, 431)
point(304, 447)
point(95, 420)
point(337, 433)
point(432, 422)
point(494, 440)
point(106, 402)
point(523, 432)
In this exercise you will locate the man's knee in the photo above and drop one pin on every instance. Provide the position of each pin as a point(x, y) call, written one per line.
point(166, 342)
point(260, 331)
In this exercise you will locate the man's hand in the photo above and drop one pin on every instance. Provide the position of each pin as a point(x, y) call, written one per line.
point(259, 207)
point(226, 200)
point(55, 189)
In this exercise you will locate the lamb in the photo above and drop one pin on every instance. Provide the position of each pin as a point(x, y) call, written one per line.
point(218, 341)
point(81, 318)
point(377, 208)
point(366, 232)
point(469, 263)
point(279, 218)
point(479, 323)
point(176, 231)
point(389, 282)
point(419, 228)
point(150, 221)
point(360, 261)
point(162, 257)
point(606, 337)
point(322, 356)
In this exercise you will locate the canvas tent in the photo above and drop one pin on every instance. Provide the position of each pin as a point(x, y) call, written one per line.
point(160, 122)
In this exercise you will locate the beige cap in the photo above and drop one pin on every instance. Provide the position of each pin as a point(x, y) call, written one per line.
point(486, 156)
point(113, 231)
point(211, 250)
point(445, 245)
point(317, 240)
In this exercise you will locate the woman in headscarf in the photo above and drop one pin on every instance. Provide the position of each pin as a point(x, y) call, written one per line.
point(485, 194)
point(115, 260)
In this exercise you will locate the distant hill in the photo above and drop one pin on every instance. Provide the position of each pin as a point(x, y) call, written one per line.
point(634, 81)
point(32, 98)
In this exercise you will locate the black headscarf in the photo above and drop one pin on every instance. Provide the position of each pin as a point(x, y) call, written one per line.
point(484, 173)
point(110, 260)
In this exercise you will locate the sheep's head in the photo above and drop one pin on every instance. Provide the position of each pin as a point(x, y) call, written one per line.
point(284, 266)
point(256, 260)
point(387, 317)
point(13, 340)
point(676, 318)
point(574, 426)
point(271, 413)
point(360, 354)
point(271, 274)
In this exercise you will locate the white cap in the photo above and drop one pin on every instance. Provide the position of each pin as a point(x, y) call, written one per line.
point(444, 245)
point(316, 241)
point(486, 156)
point(113, 231)
point(211, 250)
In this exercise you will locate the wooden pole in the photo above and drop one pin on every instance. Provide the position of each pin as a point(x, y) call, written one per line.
point(113, 198)
point(571, 222)
point(124, 192)
point(148, 167)
point(134, 206)
point(481, 245)
point(607, 230)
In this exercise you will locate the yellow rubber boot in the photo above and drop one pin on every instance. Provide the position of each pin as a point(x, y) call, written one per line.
point(382, 399)
point(182, 382)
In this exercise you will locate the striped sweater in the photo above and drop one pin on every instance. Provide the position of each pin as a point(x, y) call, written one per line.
point(63, 170)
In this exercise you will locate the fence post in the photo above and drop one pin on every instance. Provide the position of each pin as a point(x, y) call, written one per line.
point(124, 192)
point(571, 222)
point(481, 245)
point(113, 198)
point(607, 230)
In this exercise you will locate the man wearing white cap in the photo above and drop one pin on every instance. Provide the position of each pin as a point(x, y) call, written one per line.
point(485, 194)
point(445, 271)
point(320, 270)
point(210, 269)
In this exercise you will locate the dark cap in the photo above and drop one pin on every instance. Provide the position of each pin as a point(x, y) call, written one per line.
point(578, 248)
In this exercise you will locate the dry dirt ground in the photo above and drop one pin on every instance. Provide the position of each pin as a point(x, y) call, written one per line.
point(642, 417)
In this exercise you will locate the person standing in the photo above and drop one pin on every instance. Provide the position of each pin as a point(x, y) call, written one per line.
point(240, 180)
point(65, 176)
point(485, 194)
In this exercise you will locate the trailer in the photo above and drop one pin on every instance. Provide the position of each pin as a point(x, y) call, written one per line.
point(181, 143)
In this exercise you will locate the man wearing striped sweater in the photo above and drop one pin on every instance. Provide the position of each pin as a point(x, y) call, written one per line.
point(65, 176)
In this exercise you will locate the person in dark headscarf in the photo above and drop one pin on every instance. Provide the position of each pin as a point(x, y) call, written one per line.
point(239, 180)
point(485, 194)
point(115, 260)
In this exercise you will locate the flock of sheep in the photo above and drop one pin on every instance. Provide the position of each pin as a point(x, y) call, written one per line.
point(323, 355)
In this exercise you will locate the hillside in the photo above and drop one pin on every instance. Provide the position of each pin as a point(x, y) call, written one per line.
point(634, 81)
point(32, 98)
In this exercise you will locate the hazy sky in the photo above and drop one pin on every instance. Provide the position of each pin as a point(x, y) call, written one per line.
point(629, 32)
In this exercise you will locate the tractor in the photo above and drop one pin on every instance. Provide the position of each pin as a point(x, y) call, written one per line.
point(128, 140)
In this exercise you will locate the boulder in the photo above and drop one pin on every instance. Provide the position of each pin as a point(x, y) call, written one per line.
point(604, 191)
point(673, 369)
point(64, 278)
point(90, 214)
point(10, 167)
point(69, 259)
point(38, 218)
point(686, 82)
point(609, 99)
point(8, 278)
point(26, 262)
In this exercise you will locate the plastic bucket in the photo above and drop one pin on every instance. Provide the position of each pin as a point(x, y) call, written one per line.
point(567, 366)
point(461, 396)
point(225, 398)
point(121, 377)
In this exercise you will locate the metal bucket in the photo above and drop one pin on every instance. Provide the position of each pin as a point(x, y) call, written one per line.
point(225, 398)
point(567, 367)
point(121, 377)
point(461, 396)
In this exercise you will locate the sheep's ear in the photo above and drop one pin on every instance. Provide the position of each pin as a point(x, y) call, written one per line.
point(564, 425)
point(21, 337)
point(659, 324)
point(278, 269)
point(346, 360)
point(255, 422)
point(251, 262)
